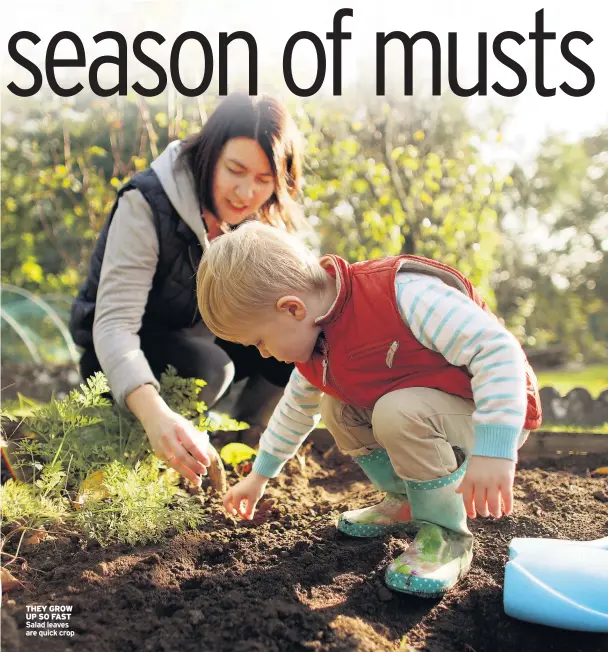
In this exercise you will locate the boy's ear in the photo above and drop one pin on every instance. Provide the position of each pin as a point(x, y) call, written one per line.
point(293, 305)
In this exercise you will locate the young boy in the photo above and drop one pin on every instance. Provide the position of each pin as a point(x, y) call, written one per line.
point(412, 374)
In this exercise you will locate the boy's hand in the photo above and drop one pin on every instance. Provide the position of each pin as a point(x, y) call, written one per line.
point(487, 480)
point(244, 496)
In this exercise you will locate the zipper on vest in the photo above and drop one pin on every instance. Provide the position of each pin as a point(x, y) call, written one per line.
point(339, 390)
point(325, 361)
point(391, 354)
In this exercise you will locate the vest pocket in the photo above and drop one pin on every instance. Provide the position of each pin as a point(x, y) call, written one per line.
point(390, 347)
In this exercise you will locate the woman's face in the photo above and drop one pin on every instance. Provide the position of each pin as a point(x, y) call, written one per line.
point(243, 180)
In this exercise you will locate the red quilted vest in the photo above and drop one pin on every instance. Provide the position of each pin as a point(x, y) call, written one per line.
point(367, 349)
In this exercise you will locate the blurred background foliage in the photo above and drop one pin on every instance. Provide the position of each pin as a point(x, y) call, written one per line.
point(381, 178)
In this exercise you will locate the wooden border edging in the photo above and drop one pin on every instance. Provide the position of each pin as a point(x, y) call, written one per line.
point(547, 443)
point(541, 443)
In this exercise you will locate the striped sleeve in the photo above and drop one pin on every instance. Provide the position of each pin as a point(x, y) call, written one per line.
point(447, 321)
point(296, 414)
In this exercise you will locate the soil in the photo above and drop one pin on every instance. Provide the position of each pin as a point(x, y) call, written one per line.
point(288, 581)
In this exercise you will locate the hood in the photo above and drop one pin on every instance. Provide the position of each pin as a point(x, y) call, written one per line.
point(177, 182)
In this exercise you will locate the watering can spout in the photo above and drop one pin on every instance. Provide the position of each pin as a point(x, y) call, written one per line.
point(558, 583)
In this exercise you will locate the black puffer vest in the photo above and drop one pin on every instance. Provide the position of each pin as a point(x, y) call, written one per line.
point(172, 299)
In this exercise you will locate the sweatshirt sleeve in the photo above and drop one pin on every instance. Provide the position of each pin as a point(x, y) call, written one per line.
point(296, 414)
point(445, 320)
point(129, 265)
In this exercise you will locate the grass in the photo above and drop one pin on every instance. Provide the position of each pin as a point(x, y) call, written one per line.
point(593, 378)
point(600, 430)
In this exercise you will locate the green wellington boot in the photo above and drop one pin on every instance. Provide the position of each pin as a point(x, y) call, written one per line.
point(442, 550)
point(392, 514)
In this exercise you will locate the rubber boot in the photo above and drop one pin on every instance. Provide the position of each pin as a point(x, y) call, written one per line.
point(392, 514)
point(441, 552)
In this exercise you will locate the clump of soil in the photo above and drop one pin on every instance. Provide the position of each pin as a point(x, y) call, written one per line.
point(289, 581)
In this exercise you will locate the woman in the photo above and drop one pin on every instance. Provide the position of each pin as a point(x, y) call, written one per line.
point(136, 312)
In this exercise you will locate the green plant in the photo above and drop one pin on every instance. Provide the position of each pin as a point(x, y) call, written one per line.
point(91, 466)
point(24, 506)
point(141, 504)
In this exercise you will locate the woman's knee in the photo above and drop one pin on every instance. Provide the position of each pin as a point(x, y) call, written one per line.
point(218, 379)
point(212, 365)
point(249, 363)
point(192, 357)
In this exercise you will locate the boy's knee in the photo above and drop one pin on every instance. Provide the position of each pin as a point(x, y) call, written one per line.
point(417, 411)
point(331, 412)
point(349, 426)
point(391, 417)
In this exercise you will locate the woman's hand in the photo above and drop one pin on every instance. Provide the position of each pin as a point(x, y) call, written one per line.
point(244, 496)
point(180, 445)
point(486, 482)
point(173, 438)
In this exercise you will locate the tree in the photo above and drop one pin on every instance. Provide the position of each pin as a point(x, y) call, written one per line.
point(62, 162)
point(382, 177)
point(553, 283)
point(390, 178)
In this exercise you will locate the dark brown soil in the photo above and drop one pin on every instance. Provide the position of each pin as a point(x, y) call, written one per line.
point(288, 581)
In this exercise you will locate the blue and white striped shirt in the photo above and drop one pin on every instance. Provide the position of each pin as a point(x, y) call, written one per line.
point(444, 320)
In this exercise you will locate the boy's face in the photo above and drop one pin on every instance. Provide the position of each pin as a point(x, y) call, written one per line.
point(289, 334)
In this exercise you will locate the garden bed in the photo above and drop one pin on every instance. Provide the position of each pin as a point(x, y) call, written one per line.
point(288, 581)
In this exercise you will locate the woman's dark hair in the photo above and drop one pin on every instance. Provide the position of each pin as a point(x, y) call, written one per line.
point(268, 122)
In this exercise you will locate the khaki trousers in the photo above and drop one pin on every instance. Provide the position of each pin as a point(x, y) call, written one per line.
point(418, 427)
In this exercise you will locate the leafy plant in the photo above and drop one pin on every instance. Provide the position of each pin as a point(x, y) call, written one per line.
point(90, 464)
point(23, 505)
point(141, 504)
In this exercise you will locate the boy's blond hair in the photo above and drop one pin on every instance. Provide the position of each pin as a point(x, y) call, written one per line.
point(243, 274)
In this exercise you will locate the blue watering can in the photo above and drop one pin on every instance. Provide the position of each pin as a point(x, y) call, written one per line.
point(559, 583)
